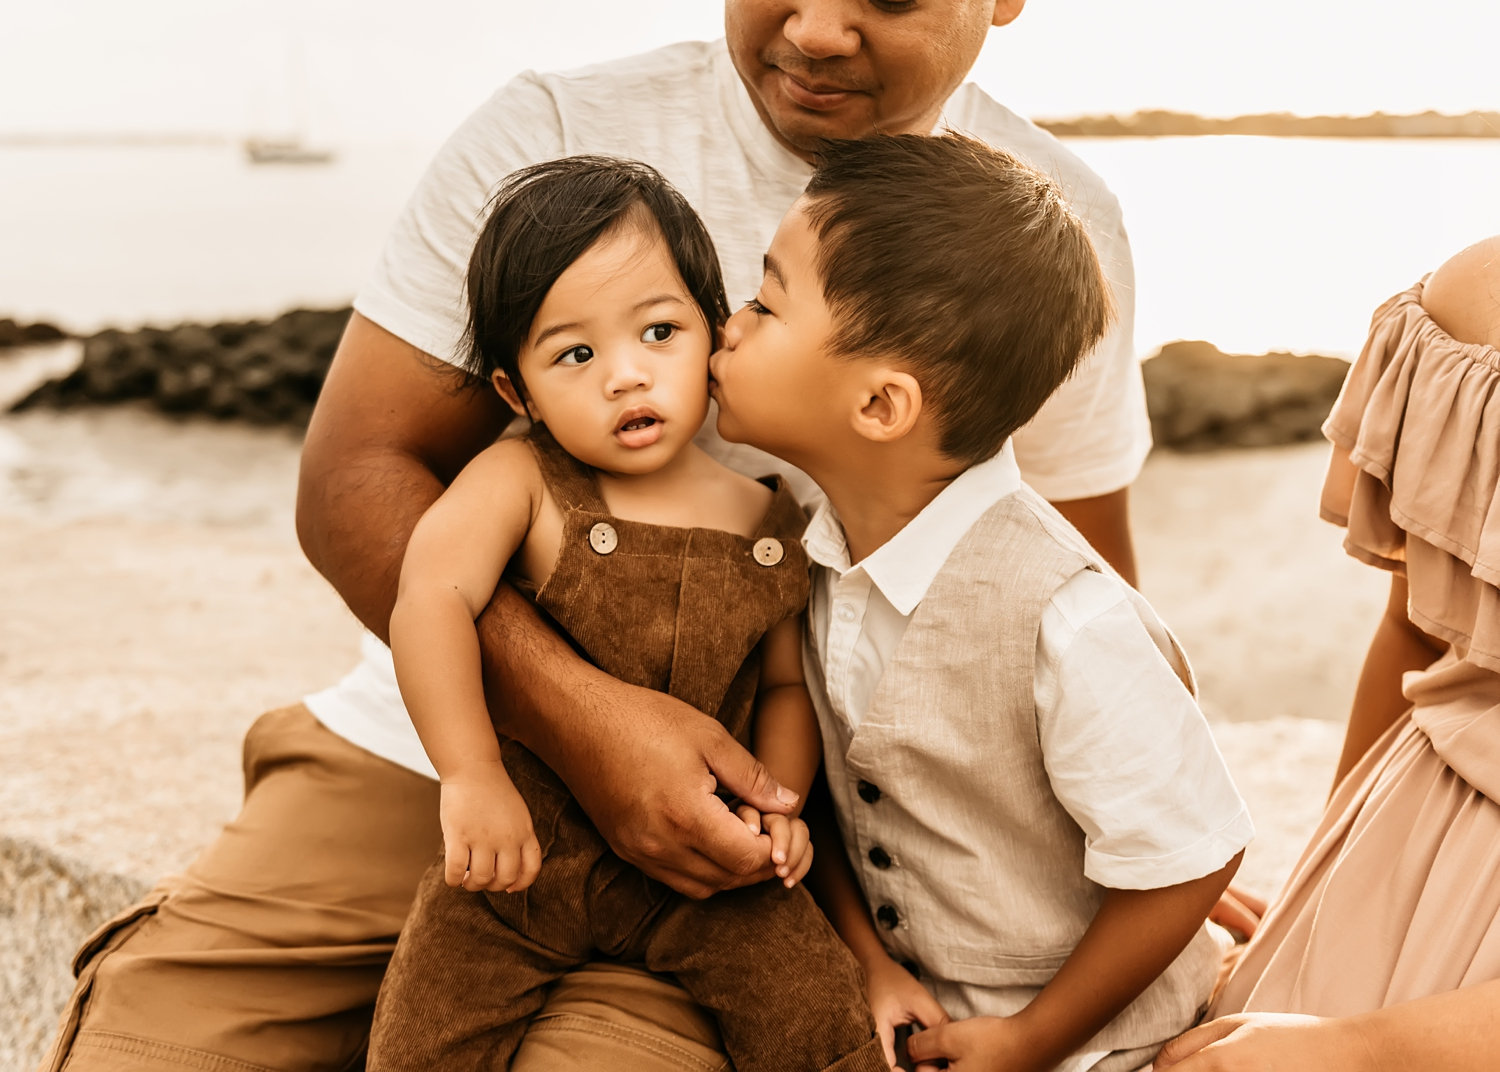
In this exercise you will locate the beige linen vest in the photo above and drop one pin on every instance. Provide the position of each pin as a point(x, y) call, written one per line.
point(972, 867)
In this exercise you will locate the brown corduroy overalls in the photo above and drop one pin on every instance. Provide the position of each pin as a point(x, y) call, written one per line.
point(681, 611)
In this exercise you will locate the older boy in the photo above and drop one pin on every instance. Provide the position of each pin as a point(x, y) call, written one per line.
point(1032, 803)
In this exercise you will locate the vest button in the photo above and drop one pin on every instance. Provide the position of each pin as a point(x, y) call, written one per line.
point(603, 538)
point(768, 551)
point(880, 858)
point(888, 916)
point(869, 792)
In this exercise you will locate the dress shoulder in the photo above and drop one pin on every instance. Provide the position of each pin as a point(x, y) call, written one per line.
point(1416, 467)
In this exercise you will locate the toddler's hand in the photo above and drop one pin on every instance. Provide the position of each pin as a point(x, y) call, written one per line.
point(791, 847)
point(896, 998)
point(488, 843)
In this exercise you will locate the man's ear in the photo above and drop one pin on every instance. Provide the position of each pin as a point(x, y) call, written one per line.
point(1006, 11)
point(891, 406)
point(507, 390)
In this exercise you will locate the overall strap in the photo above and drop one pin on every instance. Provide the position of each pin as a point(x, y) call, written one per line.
point(573, 484)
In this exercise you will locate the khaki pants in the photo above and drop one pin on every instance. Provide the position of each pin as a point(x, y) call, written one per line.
point(266, 954)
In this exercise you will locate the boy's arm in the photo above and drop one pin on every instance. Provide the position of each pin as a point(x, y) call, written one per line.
point(1133, 938)
point(391, 427)
point(785, 735)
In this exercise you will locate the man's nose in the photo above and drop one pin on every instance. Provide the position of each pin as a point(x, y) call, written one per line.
point(823, 29)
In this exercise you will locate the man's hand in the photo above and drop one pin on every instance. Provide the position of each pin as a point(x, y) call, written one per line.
point(650, 788)
point(1252, 1042)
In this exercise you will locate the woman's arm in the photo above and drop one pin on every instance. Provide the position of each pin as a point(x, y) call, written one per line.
point(1454, 1032)
point(1398, 646)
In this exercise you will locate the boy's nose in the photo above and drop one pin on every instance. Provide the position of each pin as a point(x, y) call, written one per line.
point(823, 29)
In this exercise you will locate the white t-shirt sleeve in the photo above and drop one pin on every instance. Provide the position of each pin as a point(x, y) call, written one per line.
point(1127, 750)
point(417, 289)
point(1092, 436)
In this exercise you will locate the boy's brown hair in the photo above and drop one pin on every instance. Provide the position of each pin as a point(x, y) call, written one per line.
point(967, 265)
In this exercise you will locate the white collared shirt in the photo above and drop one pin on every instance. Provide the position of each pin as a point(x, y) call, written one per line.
point(1106, 699)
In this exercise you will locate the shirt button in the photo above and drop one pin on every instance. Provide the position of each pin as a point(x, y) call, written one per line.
point(888, 916)
point(880, 858)
point(768, 551)
point(845, 613)
point(869, 792)
point(603, 538)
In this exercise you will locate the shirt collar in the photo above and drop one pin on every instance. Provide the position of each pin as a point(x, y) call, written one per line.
point(904, 567)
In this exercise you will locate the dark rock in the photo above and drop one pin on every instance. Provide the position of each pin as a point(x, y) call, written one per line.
point(14, 334)
point(266, 372)
point(1203, 399)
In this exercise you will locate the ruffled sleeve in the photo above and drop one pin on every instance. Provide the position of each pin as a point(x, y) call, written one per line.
point(1416, 459)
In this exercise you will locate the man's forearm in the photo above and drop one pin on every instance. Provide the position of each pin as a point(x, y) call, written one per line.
point(337, 512)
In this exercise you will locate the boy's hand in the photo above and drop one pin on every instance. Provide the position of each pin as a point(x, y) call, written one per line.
point(791, 845)
point(980, 1044)
point(896, 998)
point(488, 843)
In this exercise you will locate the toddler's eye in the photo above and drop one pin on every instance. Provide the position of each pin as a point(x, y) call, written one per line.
point(658, 333)
point(756, 307)
point(576, 355)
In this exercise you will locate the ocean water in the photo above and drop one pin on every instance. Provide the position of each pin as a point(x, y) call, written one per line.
point(1251, 243)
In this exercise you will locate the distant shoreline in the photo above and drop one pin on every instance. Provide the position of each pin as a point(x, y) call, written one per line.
point(1143, 124)
point(1154, 124)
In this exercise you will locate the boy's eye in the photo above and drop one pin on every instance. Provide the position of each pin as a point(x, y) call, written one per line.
point(575, 355)
point(658, 333)
point(756, 307)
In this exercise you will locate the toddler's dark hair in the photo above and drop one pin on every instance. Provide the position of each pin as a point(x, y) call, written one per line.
point(542, 218)
point(967, 264)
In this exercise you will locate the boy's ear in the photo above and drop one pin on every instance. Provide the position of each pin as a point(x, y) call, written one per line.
point(892, 403)
point(507, 390)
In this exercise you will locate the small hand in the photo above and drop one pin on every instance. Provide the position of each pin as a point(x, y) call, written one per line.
point(791, 845)
point(1249, 1042)
point(488, 842)
point(979, 1044)
point(896, 998)
point(1239, 911)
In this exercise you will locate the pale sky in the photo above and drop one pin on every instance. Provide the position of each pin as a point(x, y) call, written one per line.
point(398, 69)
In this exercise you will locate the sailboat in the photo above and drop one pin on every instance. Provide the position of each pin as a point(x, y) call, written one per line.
point(288, 146)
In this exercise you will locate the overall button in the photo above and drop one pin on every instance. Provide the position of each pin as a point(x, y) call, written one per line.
point(603, 538)
point(880, 858)
point(768, 551)
point(888, 916)
point(869, 792)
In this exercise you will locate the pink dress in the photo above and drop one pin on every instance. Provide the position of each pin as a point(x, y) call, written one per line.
point(1398, 893)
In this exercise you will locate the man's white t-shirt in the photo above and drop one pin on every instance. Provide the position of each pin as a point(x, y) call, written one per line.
point(683, 110)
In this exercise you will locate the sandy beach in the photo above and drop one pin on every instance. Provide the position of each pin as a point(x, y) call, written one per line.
point(156, 602)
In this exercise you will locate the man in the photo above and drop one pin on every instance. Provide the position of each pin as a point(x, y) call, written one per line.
point(267, 953)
